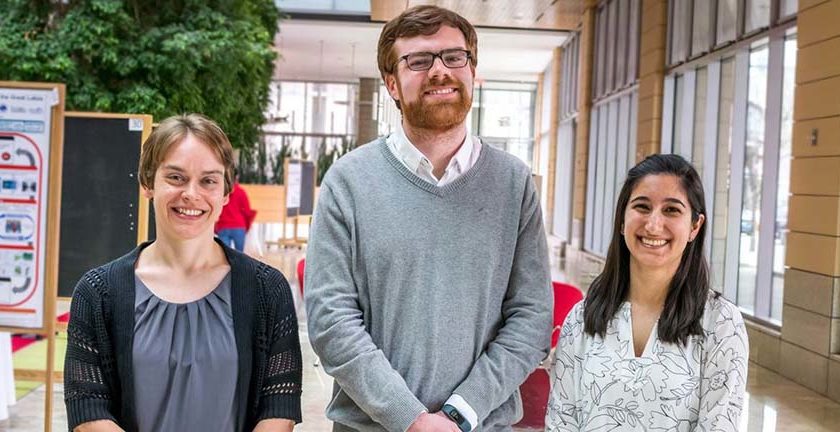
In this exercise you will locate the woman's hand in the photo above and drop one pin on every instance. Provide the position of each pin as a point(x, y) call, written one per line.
point(436, 422)
point(99, 426)
point(275, 425)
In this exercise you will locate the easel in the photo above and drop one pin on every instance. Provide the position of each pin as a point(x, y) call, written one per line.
point(49, 252)
point(299, 180)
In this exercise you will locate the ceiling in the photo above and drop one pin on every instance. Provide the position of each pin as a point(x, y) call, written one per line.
point(345, 51)
point(525, 14)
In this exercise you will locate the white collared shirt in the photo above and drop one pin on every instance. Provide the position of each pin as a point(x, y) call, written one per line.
point(416, 162)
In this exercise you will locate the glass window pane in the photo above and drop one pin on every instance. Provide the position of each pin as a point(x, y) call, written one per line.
point(757, 15)
point(753, 161)
point(545, 115)
point(589, 232)
point(600, 64)
point(721, 192)
point(679, 95)
point(785, 146)
point(621, 51)
point(788, 8)
point(603, 127)
point(701, 31)
point(609, 171)
point(506, 114)
point(680, 27)
point(609, 85)
point(699, 120)
point(727, 14)
point(633, 49)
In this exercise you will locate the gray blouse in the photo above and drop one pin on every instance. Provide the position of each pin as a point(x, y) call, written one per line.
point(185, 362)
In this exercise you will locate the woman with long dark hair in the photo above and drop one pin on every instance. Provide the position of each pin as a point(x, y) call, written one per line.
point(652, 347)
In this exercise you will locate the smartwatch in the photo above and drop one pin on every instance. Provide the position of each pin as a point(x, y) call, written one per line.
point(457, 417)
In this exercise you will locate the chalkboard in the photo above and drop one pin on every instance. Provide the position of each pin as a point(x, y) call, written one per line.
point(101, 206)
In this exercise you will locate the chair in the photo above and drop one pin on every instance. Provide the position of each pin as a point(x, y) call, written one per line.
point(536, 388)
point(300, 267)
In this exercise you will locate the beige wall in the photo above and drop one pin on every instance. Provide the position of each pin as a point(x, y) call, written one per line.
point(806, 350)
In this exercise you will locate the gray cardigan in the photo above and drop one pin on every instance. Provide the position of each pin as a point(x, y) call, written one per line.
point(98, 371)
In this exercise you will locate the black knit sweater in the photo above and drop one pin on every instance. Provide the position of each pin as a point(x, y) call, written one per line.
point(98, 375)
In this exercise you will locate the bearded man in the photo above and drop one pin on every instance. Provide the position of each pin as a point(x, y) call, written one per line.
point(427, 282)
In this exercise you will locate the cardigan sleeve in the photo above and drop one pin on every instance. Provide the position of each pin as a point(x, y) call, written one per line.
point(281, 385)
point(87, 390)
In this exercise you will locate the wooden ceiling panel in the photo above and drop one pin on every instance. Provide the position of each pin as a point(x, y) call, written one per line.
point(523, 14)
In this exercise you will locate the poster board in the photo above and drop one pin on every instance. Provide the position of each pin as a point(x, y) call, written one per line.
point(31, 137)
point(101, 192)
point(299, 179)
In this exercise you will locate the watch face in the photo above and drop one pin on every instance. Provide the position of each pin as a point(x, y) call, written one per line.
point(456, 416)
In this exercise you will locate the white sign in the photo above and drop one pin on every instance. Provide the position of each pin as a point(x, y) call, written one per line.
point(25, 120)
point(293, 185)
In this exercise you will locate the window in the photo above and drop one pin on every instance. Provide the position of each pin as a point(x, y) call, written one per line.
point(787, 9)
point(612, 57)
point(733, 118)
point(782, 194)
point(616, 46)
point(332, 7)
point(632, 73)
point(308, 117)
point(722, 173)
point(727, 15)
point(612, 151)
point(701, 31)
point(612, 134)
point(757, 15)
point(752, 179)
point(680, 30)
point(506, 119)
point(700, 102)
point(566, 134)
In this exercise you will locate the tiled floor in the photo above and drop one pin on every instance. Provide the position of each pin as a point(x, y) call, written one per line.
point(774, 403)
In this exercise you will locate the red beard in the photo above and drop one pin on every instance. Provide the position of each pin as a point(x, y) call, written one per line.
point(438, 116)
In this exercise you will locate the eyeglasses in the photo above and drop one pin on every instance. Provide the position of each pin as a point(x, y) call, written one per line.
point(423, 61)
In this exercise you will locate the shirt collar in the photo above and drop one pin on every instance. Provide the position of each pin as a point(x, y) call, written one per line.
point(412, 157)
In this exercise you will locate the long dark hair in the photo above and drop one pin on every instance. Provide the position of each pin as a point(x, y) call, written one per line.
point(686, 298)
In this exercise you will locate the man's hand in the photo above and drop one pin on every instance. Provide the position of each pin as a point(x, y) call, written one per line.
point(437, 422)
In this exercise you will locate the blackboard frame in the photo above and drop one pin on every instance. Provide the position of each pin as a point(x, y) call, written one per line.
point(143, 125)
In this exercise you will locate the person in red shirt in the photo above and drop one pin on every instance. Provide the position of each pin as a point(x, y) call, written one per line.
point(236, 218)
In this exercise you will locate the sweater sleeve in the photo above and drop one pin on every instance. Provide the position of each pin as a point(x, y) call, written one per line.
point(281, 387)
point(336, 327)
point(524, 338)
point(87, 392)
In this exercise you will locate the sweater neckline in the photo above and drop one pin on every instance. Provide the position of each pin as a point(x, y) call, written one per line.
point(416, 180)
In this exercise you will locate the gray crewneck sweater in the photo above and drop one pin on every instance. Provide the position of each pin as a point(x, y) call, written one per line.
point(415, 292)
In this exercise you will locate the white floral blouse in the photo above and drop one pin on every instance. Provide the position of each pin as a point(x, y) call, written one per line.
point(598, 384)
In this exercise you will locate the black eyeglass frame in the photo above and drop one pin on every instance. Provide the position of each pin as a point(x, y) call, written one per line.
point(439, 55)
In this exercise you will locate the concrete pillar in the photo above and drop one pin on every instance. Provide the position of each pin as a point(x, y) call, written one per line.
point(654, 40)
point(809, 352)
point(367, 126)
